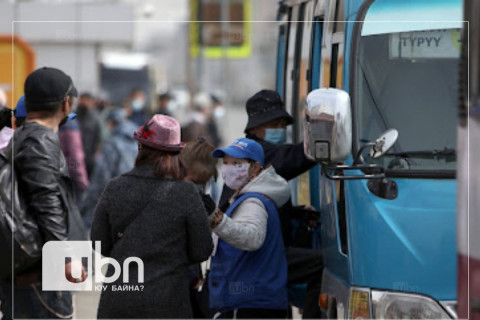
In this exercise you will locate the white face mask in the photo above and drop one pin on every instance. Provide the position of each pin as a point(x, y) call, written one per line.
point(219, 113)
point(235, 175)
point(137, 104)
point(172, 106)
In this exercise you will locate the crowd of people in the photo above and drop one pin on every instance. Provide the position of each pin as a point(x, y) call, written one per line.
point(138, 183)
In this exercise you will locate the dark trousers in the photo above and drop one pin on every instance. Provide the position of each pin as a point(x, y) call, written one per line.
point(32, 303)
point(254, 314)
point(305, 266)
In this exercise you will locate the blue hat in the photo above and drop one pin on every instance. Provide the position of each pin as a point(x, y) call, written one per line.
point(20, 109)
point(242, 148)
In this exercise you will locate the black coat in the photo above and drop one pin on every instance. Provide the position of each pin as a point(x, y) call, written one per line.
point(91, 128)
point(170, 231)
point(45, 184)
point(44, 181)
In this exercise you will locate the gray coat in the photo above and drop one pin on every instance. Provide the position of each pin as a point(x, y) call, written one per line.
point(118, 155)
point(169, 233)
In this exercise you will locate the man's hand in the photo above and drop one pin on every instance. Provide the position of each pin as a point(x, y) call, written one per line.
point(68, 272)
point(312, 216)
point(216, 218)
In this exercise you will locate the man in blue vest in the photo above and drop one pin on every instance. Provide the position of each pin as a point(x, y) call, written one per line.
point(248, 275)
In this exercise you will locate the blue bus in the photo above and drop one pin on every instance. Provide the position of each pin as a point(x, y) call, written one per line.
point(373, 87)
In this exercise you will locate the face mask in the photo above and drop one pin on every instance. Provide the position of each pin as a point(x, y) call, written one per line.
point(235, 176)
point(276, 136)
point(137, 104)
point(171, 106)
point(219, 113)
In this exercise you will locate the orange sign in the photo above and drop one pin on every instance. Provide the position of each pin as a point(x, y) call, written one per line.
point(17, 61)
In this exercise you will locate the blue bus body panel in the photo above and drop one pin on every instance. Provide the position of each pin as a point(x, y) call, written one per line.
point(405, 244)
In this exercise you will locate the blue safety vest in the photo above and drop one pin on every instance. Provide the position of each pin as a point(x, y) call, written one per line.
point(257, 279)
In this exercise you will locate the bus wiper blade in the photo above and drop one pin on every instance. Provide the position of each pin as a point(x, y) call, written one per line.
point(425, 153)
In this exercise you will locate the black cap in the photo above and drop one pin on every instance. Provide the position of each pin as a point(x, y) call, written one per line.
point(265, 106)
point(165, 95)
point(214, 98)
point(45, 87)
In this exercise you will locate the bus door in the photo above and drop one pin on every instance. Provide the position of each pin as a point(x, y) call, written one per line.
point(329, 73)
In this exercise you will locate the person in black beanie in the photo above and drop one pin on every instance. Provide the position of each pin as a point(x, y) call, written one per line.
point(267, 122)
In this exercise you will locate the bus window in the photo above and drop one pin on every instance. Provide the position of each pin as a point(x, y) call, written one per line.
point(332, 53)
point(412, 91)
point(339, 25)
point(302, 90)
point(281, 60)
point(291, 70)
point(292, 29)
point(304, 55)
point(314, 81)
point(282, 50)
point(334, 67)
point(336, 70)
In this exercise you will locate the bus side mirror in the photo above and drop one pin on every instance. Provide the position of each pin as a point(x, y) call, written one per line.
point(328, 126)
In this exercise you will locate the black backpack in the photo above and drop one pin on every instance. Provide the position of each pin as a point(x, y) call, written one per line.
point(18, 229)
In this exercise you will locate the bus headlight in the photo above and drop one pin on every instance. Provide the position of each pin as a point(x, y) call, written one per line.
point(392, 305)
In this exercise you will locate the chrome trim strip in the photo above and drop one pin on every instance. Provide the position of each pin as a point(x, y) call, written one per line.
point(451, 307)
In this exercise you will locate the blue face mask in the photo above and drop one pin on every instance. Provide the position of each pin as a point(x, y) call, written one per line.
point(276, 136)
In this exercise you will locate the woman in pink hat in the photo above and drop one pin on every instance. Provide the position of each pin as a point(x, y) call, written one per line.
point(152, 214)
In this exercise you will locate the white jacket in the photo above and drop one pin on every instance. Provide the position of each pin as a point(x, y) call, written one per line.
point(246, 229)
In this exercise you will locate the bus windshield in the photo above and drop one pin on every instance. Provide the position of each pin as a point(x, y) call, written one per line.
point(408, 81)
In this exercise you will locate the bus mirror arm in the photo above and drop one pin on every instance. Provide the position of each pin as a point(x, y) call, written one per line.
point(372, 171)
point(358, 157)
